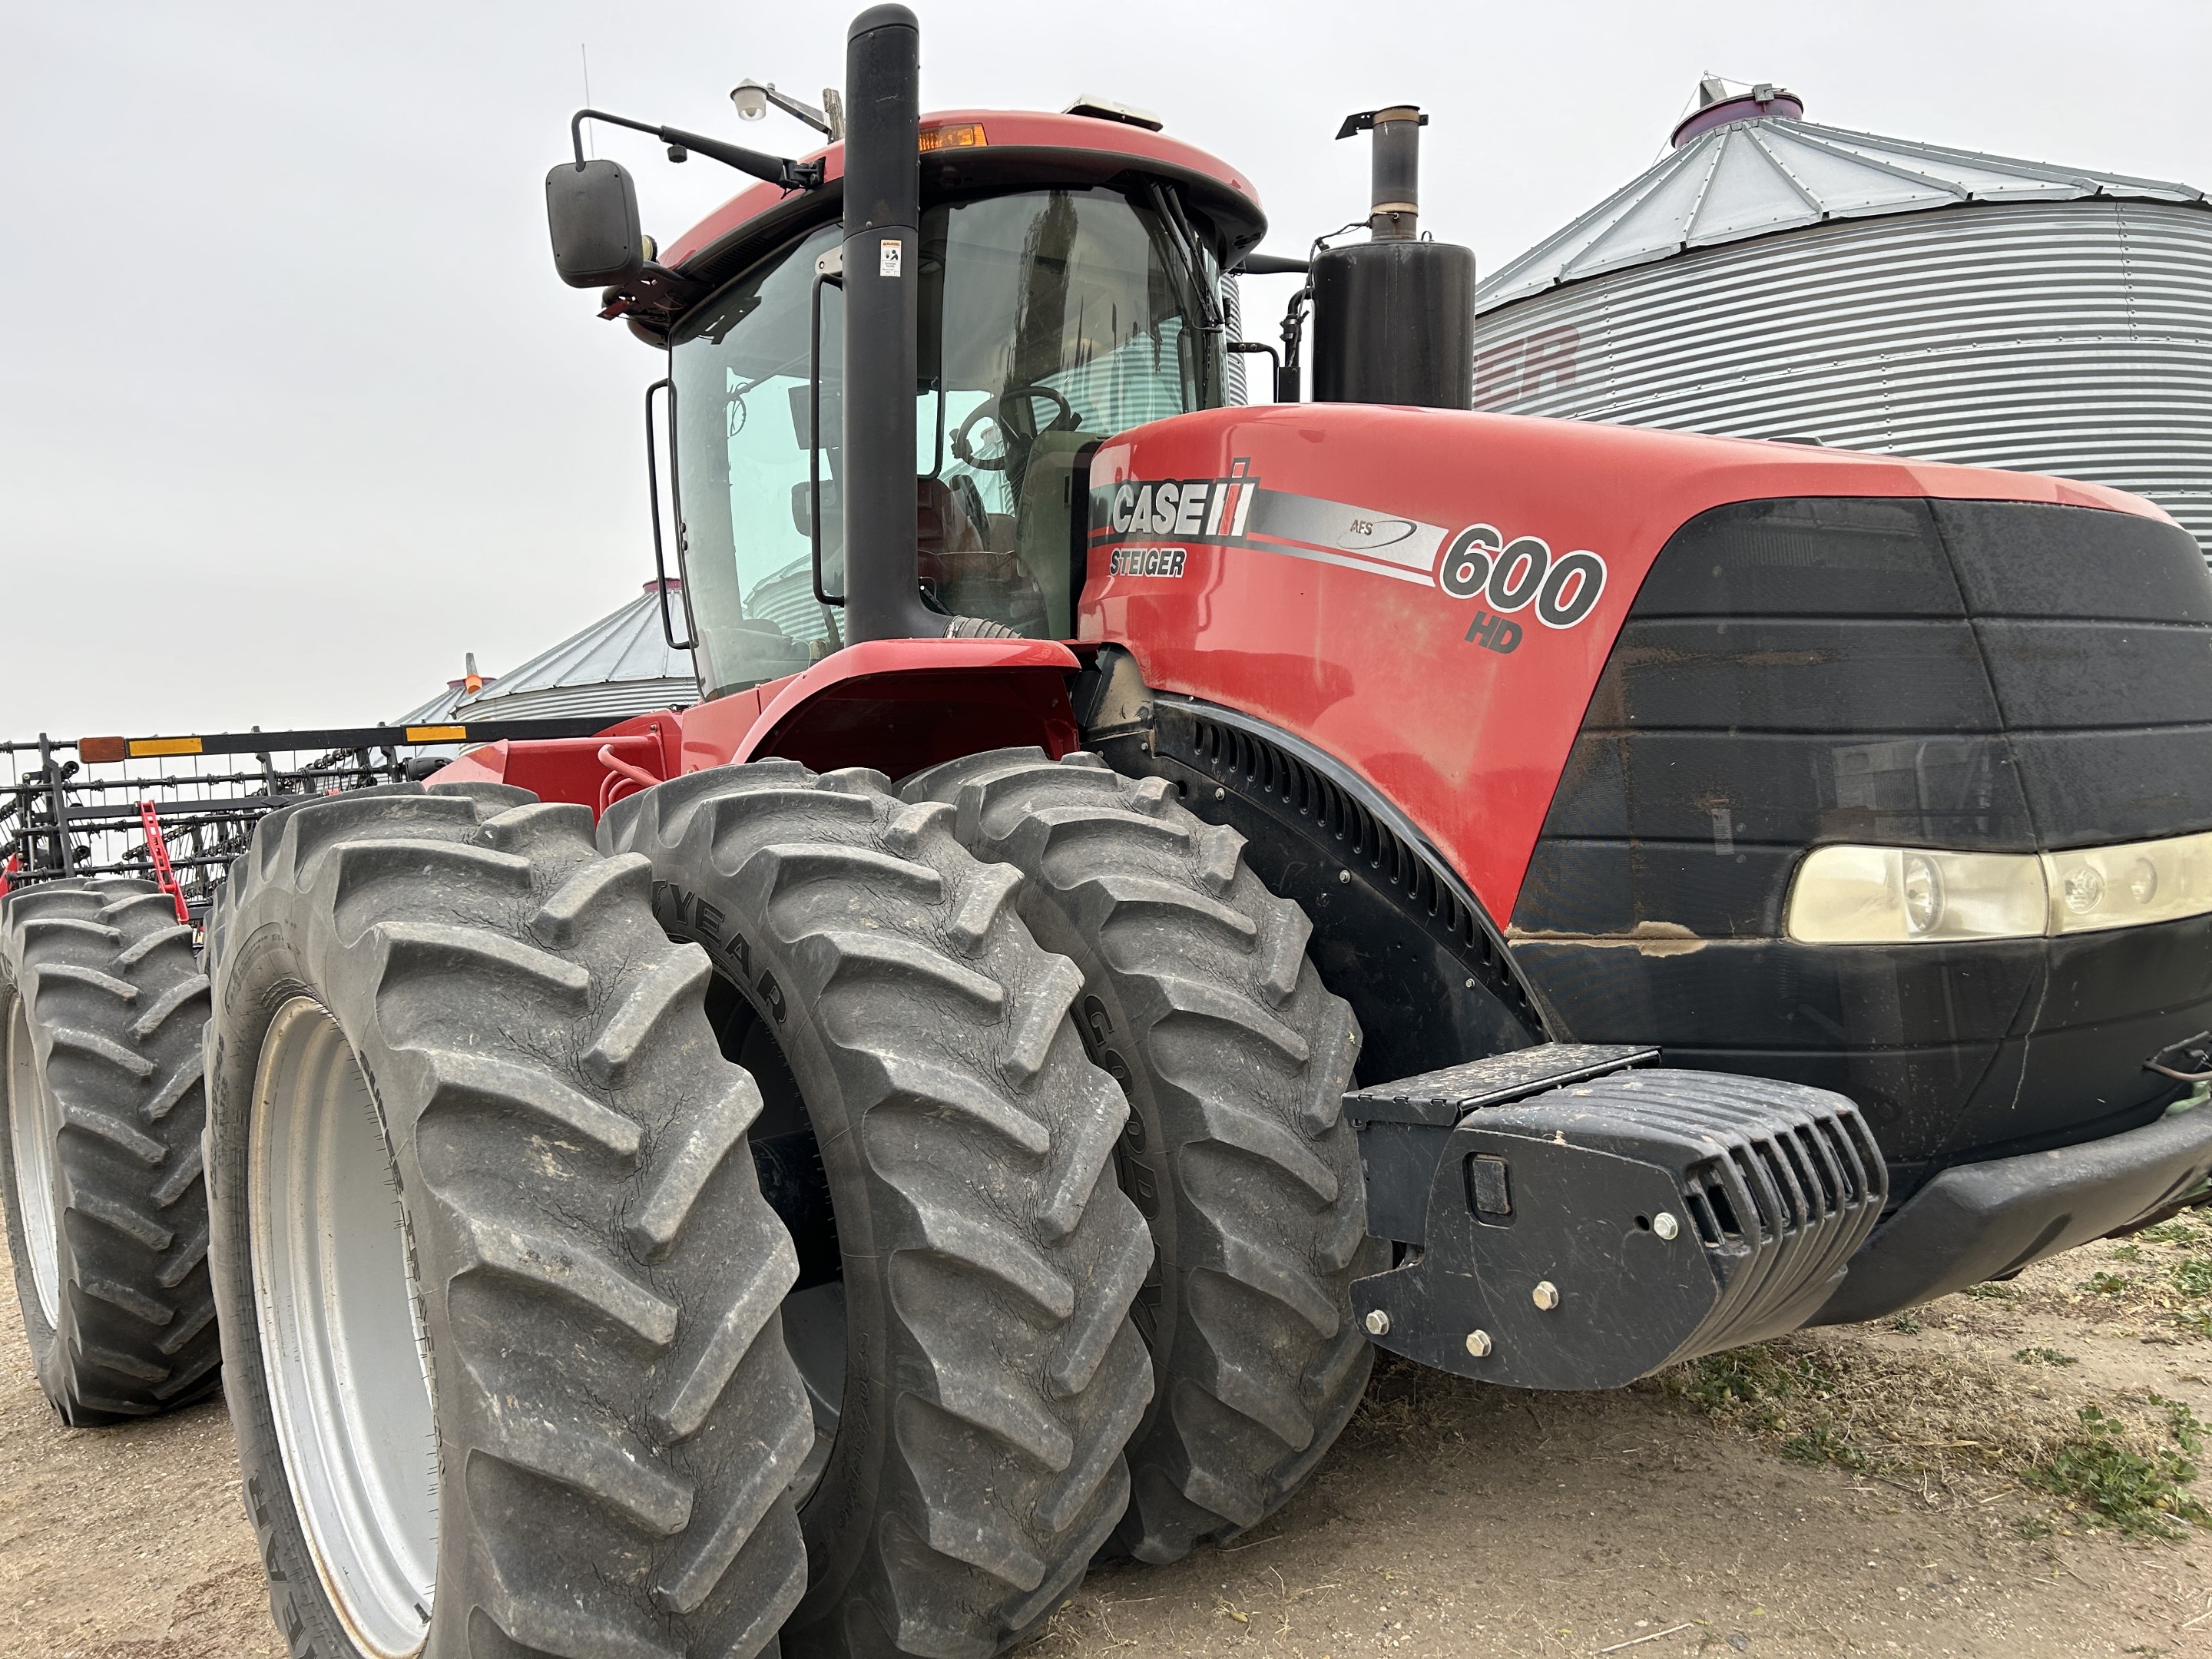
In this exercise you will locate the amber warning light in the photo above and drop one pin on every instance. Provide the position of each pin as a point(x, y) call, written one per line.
point(968, 135)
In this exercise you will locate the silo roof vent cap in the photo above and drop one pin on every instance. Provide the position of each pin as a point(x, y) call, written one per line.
point(1719, 107)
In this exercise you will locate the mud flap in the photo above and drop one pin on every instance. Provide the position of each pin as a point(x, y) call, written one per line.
point(1588, 1227)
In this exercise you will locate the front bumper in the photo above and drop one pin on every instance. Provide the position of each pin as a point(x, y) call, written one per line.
point(1980, 1221)
point(1957, 1052)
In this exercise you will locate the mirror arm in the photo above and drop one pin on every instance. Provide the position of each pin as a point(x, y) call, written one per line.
point(776, 169)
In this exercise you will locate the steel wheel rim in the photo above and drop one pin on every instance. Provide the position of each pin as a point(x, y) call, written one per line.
point(33, 1125)
point(339, 1321)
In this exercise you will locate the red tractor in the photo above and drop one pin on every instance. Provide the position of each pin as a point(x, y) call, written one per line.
point(1161, 898)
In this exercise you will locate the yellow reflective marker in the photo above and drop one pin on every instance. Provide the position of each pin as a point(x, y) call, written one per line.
point(436, 734)
point(144, 748)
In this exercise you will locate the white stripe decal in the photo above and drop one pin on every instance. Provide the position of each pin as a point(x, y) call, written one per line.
point(1420, 579)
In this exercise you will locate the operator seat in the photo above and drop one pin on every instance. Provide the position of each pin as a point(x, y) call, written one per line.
point(961, 569)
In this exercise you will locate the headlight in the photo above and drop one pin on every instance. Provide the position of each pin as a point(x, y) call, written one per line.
point(1904, 894)
point(2118, 886)
point(1900, 895)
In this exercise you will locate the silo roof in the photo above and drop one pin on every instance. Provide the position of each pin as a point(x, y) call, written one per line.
point(620, 664)
point(1769, 171)
point(439, 709)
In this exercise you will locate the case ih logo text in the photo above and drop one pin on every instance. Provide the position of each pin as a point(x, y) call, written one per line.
point(1147, 561)
point(1512, 576)
point(1185, 507)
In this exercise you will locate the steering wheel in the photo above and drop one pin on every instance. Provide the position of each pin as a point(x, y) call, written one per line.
point(1013, 411)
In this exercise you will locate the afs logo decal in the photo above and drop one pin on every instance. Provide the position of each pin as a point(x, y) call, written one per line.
point(1511, 576)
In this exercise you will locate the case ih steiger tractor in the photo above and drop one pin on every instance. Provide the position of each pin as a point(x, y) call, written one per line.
point(1161, 898)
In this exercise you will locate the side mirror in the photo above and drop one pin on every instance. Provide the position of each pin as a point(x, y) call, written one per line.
point(593, 212)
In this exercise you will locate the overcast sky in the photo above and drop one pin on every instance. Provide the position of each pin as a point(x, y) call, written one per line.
point(294, 411)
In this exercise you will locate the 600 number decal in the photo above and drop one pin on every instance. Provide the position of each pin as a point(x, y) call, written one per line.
point(1508, 576)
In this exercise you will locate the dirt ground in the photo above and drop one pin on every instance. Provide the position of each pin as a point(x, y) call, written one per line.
point(1924, 1485)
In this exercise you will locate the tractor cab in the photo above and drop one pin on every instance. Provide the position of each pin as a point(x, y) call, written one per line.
point(1051, 319)
point(1068, 278)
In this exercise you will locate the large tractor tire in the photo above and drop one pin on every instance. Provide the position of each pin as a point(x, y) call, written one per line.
point(1199, 999)
point(499, 1292)
point(101, 1003)
point(940, 1145)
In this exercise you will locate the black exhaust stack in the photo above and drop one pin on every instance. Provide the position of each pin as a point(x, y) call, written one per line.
point(882, 226)
point(1394, 319)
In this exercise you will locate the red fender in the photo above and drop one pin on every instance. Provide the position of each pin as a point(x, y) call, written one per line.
point(895, 705)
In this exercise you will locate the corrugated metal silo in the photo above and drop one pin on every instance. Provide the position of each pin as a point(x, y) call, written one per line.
point(1774, 278)
point(621, 665)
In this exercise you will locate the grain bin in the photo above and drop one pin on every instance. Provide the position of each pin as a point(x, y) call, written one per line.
point(621, 665)
point(1771, 277)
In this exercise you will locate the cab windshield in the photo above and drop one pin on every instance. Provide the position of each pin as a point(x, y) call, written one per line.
point(1051, 320)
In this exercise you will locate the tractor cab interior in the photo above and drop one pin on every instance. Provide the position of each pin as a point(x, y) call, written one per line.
point(1051, 320)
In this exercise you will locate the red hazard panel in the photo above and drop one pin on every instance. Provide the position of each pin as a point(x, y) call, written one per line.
point(1426, 595)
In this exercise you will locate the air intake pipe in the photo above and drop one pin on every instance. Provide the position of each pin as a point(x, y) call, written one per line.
point(1393, 316)
point(882, 235)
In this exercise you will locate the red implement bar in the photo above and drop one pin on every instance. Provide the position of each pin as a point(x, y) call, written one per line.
point(157, 848)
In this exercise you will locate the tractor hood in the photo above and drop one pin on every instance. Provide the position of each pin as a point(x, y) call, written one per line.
point(1291, 561)
point(1624, 681)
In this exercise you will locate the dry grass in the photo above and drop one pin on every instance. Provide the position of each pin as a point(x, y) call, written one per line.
point(1939, 1403)
point(1920, 1421)
point(1964, 1422)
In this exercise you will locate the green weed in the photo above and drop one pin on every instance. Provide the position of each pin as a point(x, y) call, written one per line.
point(2044, 1357)
point(1990, 1292)
point(2104, 1283)
point(2183, 1228)
point(2097, 1472)
point(2182, 1423)
point(1738, 1378)
point(1823, 1443)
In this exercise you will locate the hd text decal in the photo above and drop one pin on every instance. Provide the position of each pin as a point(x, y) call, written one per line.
point(1520, 575)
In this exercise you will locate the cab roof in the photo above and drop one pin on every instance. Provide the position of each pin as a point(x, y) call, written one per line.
point(975, 150)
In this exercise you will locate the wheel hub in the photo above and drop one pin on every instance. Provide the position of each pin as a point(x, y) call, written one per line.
point(340, 1325)
point(33, 1125)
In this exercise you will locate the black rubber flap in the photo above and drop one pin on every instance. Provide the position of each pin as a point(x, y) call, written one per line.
point(1648, 1217)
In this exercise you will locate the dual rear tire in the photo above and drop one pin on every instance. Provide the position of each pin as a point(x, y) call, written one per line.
point(1199, 999)
point(101, 1005)
point(588, 1389)
point(498, 1290)
point(986, 1375)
